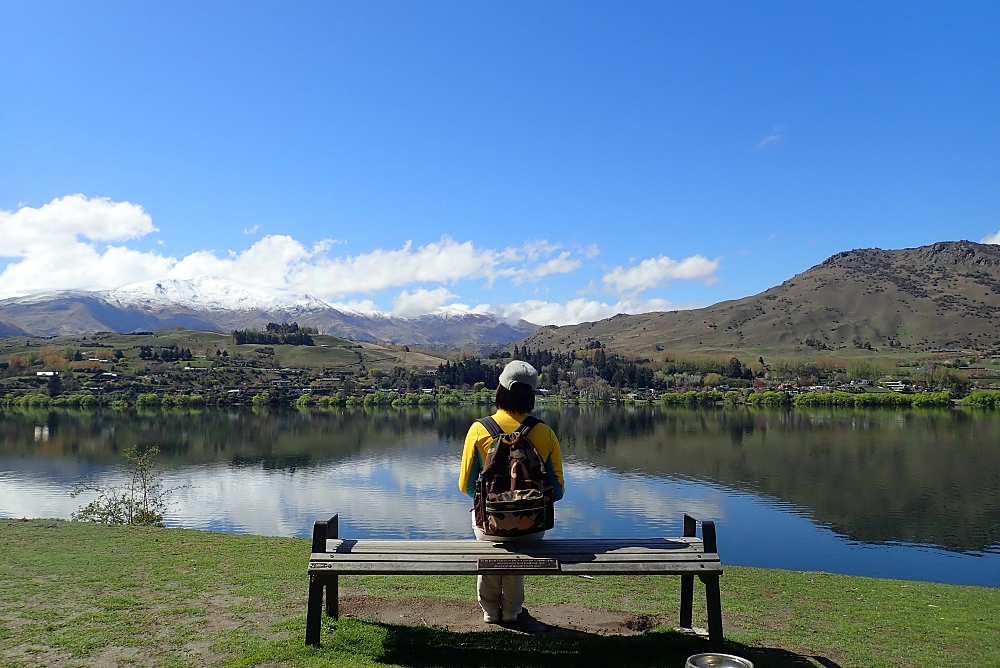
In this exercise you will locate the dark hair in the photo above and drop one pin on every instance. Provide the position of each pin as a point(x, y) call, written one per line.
point(520, 398)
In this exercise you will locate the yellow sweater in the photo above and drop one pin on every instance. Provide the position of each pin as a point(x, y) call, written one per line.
point(478, 440)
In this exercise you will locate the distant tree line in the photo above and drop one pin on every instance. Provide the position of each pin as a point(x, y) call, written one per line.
point(276, 334)
point(731, 368)
point(469, 371)
point(165, 353)
point(593, 361)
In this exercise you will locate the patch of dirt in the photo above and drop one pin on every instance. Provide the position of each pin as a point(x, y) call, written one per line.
point(642, 623)
point(30, 655)
point(544, 618)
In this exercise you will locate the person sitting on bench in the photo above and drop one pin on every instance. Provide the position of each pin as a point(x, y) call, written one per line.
point(499, 518)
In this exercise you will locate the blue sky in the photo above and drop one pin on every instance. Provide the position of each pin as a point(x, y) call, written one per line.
point(556, 161)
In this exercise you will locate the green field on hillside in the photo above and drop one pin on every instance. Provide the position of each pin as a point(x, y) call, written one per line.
point(329, 352)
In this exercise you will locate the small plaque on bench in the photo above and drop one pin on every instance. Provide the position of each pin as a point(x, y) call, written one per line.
point(510, 564)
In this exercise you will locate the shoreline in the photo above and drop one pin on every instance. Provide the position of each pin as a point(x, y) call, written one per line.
point(935, 549)
point(84, 594)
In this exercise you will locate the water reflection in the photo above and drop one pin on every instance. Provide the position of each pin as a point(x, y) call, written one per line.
point(879, 492)
point(930, 477)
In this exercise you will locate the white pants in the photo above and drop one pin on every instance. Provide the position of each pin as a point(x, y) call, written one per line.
point(501, 596)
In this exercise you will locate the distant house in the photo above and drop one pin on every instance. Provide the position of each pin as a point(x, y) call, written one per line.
point(894, 385)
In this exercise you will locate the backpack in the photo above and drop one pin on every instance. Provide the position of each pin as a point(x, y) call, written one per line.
point(513, 493)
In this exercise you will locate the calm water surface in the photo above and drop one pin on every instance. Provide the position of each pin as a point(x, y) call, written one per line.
point(908, 494)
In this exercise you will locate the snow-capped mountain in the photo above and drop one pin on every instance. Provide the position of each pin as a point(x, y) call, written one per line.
point(204, 294)
point(217, 304)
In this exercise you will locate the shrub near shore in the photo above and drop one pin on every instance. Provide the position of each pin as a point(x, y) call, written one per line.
point(984, 399)
point(774, 398)
point(867, 399)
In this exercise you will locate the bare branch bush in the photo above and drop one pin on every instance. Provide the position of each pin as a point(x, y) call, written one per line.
point(140, 500)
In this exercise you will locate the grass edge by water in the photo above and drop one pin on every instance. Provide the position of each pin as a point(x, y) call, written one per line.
point(80, 594)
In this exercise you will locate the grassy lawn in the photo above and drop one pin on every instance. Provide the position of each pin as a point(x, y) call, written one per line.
point(76, 594)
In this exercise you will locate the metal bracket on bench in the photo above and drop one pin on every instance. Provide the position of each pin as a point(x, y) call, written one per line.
point(712, 595)
point(314, 613)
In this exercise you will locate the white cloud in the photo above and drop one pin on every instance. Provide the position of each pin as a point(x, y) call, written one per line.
point(57, 247)
point(539, 248)
point(420, 301)
point(444, 261)
point(563, 264)
point(657, 270)
point(98, 219)
point(251, 230)
point(991, 238)
point(539, 312)
point(577, 310)
point(79, 243)
point(357, 306)
point(768, 139)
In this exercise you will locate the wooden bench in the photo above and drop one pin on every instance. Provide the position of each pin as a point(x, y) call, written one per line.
point(686, 556)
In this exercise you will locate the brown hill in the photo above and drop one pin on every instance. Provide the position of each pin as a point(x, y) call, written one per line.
point(945, 295)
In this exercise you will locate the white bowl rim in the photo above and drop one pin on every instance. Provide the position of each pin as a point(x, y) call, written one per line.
point(738, 659)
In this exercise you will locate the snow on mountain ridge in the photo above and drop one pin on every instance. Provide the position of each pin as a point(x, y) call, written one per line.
point(206, 293)
point(220, 305)
point(216, 295)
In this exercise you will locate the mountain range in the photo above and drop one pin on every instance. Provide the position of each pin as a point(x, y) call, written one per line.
point(945, 295)
point(219, 305)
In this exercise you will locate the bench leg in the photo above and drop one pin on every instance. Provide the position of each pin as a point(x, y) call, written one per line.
point(687, 600)
point(333, 597)
point(713, 600)
point(314, 611)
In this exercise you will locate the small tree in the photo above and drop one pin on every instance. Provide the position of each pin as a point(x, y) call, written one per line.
point(141, 500)
point(712, 379)
point(16, 365)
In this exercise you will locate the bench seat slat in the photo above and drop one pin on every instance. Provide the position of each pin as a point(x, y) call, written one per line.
point(469, 568)
point(612, 557)
point(603, 543)
point(485, 547)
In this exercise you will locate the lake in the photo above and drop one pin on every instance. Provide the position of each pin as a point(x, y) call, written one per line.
point(911, 494)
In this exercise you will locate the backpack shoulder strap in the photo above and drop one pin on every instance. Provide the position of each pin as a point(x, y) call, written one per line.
point(491, 426)
point(526, 426)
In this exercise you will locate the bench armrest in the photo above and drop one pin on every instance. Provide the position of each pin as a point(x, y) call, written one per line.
point(707, 532)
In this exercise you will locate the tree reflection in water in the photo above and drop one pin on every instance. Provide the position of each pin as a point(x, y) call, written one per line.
point(930, 477)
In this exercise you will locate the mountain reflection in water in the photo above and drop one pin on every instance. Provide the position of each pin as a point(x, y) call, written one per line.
point(808, 488)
